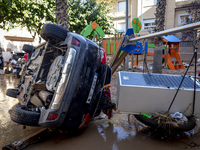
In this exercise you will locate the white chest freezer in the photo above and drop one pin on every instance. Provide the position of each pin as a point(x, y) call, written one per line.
point(150, 93)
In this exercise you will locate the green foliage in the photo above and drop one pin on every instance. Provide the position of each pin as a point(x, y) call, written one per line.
point(34, 13)
point(83, 12)
point(30, 13)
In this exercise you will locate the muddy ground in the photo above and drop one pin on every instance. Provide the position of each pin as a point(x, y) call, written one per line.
point(114, 134)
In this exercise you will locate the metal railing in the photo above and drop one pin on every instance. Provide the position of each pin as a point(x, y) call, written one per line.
point(193, 26)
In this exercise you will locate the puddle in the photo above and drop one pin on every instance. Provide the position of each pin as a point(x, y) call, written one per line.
point(9, 131)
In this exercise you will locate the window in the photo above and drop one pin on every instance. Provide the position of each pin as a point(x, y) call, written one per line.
point(121, 26)
point(182, 19)
point(149, 24)
point(122, 6)
point(149, 2)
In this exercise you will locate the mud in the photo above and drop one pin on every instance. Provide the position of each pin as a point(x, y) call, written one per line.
point(118, 134)
point(10, 131)
point(115, 134)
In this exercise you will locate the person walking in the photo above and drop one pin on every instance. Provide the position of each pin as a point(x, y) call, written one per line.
point(1, 64)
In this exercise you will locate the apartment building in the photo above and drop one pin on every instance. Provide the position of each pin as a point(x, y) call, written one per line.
point(145, 10)
point(176, 15)
point(14, 39)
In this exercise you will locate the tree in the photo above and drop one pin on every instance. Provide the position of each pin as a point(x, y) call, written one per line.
point(194, 16)
point(160, 15)
point(62, 13)
point(26, 13)
point(34, 13)
point(83, 12)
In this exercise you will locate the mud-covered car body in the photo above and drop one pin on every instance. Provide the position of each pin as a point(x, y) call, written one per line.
point(62, 83)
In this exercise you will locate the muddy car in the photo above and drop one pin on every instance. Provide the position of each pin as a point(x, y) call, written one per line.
point(62, 83)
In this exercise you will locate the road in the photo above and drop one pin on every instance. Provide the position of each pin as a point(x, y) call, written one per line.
point(101, 133)
point(10, 131)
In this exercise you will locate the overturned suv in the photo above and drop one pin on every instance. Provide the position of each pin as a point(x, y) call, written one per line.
point(62, 83)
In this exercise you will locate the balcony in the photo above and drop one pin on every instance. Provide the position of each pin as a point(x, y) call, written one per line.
point(180, 3)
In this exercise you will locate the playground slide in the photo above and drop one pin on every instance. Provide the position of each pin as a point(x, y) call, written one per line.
point(180, 64)
point(169, 62)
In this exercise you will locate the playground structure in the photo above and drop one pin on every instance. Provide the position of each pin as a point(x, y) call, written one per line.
point(93, 29)
point(96, 31)
point(110, 46)
point(171, 52)
point(170, 56)
point(131, 40)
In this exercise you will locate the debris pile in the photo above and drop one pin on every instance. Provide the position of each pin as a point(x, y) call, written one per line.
point(167, 120)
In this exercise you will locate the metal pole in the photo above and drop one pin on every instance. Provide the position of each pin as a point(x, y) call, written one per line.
point(127, 60)
point(167, 32)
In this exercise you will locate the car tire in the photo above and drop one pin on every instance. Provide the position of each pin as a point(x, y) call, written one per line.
point(12, 93)
point(28, 48)
point(53, 33)
point(20, 115)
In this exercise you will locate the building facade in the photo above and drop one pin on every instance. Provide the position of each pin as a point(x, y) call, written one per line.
point(175, 16)
point(145, 10)
point(14, 39)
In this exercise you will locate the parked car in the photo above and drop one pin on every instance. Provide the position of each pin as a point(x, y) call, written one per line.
point(61, 85)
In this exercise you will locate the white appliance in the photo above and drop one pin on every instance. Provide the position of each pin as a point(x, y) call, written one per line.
point(149, 93)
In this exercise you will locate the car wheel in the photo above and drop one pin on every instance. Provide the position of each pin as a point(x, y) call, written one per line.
point(28, 48)
point(20, 115)
point(12, 93)
point(53, 33)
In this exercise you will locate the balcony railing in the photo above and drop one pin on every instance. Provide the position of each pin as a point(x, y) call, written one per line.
point(180, 4)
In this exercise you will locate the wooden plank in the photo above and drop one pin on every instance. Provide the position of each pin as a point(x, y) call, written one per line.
point(136, 59)
point(117, 44)
point(114, 47)
point(105, 45)
point(118, 37)
point(119, 61)
point(111, 47)
point(117, 53)
point(124, 63)
point(115, 57)
point(96, 38)
point(100, 31)
point(108, 47)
